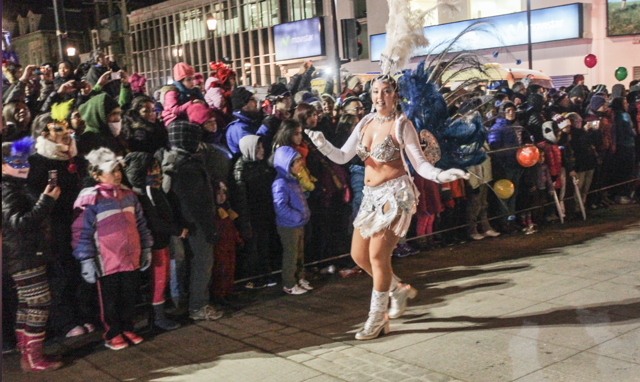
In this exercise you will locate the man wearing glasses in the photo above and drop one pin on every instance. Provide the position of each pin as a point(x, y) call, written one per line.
point(352, 105)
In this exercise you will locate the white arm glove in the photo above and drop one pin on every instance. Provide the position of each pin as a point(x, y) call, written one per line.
point(337, 155)
point(420, 163)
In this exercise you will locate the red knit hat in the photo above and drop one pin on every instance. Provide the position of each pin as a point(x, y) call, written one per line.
point(199, 113)
point(182, 71)
point(198, 79)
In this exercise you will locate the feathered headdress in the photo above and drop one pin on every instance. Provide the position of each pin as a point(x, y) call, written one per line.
point(22, 147)
point(405, 33)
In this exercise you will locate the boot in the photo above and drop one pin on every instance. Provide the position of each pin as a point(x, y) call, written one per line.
point(378, 320)
point(161, 320)
point(32, 358)
point(399, 299)
point(179, 307)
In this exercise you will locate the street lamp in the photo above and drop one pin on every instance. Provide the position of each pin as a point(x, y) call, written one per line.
point(71, 51)
point(212, 23)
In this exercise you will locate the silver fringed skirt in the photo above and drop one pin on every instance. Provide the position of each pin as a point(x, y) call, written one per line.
point(398, 197)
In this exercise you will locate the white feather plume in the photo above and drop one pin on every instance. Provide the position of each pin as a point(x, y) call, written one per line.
point(405, 33)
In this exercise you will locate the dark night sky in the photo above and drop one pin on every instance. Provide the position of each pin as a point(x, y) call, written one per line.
point(11, 8)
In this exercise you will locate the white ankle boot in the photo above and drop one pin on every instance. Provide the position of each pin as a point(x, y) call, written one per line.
point(399, 299)
point(377, 322)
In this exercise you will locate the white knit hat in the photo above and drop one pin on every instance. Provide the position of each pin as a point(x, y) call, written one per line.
point(104, 159)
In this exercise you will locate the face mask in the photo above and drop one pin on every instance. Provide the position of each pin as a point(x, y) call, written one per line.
point(154, 180)
point(115, 128)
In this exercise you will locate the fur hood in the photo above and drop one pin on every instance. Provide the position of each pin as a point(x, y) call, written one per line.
point(56, 151)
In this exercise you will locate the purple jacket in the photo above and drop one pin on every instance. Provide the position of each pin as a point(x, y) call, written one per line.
point(289, 202)
point(111, 228)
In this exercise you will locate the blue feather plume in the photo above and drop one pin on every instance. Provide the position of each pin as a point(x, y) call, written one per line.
point(460, 140)
point(22, 147)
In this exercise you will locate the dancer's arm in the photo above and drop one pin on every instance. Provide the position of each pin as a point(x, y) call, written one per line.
point(420, 163)
point(338, 155)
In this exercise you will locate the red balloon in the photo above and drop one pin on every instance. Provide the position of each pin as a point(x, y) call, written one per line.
point(528, 156)
point(590, 60)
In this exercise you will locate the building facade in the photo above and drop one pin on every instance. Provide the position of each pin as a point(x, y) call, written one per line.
point(177, 31)
point(33, 37)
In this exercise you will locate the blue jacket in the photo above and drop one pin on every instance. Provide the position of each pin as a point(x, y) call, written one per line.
point(237, 129)
point(504, 135)
point(289, 202)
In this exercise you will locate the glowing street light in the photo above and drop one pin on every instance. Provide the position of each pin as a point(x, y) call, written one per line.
point(71, 51)
point(212, 23)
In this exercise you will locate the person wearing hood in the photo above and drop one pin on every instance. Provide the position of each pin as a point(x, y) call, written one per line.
point(141, 127)
point(113, 245)
point(163, 219)
point(280, 97)
point(248, 117)
point(138, 85)
point(292, 213)
point(625, 156)
point(535, 116)
point(253, 200)
point(507, 133)
point(180, 95)
point(101, 115)
point(26, 244)
point(192, 185)
point(55, 150)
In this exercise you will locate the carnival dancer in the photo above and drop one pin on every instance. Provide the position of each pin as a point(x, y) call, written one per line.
point(381, 139)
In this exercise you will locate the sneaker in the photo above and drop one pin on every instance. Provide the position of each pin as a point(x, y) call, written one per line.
point(206, 313)
point(304, 284)
point(404, 250)
point(491, 233)
point(116, 343)
point(90, 328)
point(295, 290)
point(255, 285)
point(623, 200)
point(134, 338)
point(476, 236)
point(76, 332)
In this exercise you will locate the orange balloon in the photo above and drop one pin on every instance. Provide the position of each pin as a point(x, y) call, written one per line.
point(528, 156)
point(504, 189)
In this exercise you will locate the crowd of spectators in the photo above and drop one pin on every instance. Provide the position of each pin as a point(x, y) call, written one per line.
point(203, 184)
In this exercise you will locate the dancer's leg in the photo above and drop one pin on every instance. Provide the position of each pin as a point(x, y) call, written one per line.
point(381, 246)
point(360, 251)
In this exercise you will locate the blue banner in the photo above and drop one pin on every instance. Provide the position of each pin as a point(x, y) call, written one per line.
point(299, 39)
point(547, 24)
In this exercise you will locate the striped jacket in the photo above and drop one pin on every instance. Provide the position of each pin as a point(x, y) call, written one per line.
point(111, 228)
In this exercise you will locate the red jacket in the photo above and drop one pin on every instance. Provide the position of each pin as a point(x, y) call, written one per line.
point(553, 159)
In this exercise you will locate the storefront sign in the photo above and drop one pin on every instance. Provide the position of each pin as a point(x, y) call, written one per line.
point(547, 24)
point(299, 39)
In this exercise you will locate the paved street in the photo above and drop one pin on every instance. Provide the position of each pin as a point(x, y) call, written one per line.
point(561, 305)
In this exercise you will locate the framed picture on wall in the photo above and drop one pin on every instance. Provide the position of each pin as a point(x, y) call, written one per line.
point(623, 17)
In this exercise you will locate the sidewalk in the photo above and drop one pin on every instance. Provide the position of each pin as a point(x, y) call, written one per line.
point(561, 305)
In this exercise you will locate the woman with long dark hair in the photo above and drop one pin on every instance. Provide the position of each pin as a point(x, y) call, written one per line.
point(141, 127)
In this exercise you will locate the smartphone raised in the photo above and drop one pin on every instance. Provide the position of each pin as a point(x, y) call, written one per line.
point(53, 178)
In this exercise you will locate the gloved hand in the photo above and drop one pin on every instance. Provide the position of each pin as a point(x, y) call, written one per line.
point(316, 137)
point(89, 270)
point(145, 259)
point(451, 175)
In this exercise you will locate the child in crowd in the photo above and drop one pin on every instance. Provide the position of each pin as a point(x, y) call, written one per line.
point(224, 265)
point(112, 242)
point(164, 220)
point(292, 213)
point(290, 134)
point(26, 243)
point(178, 96)
point(553, 156)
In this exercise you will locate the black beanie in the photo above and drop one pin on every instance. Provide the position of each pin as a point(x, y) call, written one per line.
point(277, 89)
point(240, 97)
